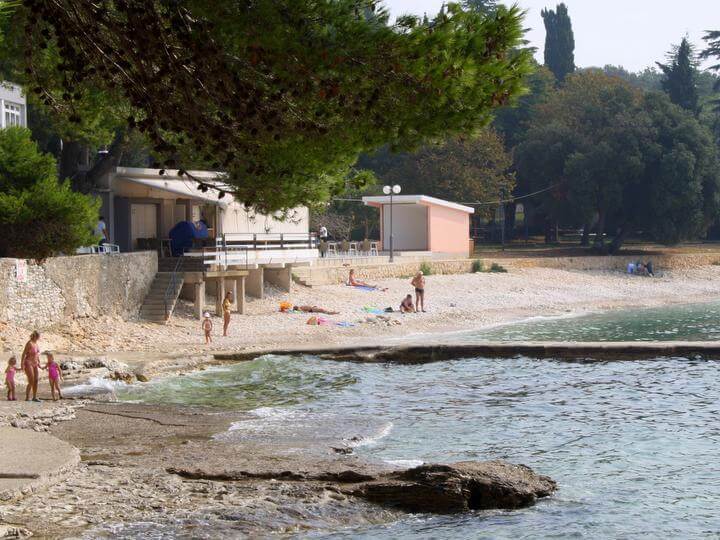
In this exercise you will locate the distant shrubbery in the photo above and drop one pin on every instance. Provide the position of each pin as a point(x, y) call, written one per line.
point(39, 215)
point(479, 266)
point(425, 268)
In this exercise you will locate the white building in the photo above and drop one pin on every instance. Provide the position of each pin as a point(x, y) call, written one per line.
point(140, 204)
point(12, 105)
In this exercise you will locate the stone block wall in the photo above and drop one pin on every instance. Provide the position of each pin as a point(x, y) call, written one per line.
point(76, 286)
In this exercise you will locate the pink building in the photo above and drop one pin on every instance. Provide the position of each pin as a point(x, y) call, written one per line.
point(422, 223)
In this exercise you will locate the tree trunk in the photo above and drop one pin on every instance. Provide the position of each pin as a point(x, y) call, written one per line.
point(70, 161)
point(107, 163)
point(585, 240)
point(618, 241)
point(600, 231)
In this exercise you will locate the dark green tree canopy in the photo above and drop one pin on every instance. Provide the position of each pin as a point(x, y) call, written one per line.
point(281, 94)
point(680, 77)
point(39, 216)
point(559, 41)
point(626, 160)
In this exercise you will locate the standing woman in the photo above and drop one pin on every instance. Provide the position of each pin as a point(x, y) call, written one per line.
point(31, 365)
point(226, 306)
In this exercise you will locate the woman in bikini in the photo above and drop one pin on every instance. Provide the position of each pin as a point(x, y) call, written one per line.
point(31, 365)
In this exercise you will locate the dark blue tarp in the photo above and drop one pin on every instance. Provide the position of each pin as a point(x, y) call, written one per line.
point(181, 237)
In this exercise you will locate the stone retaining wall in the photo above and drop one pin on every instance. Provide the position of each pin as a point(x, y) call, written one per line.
point(323, 275)
point(77, 286)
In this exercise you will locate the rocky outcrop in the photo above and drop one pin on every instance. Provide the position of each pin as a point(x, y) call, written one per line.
point(439, 489)
point(446, 489)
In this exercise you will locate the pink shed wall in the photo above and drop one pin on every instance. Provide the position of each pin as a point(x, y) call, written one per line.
point(448, 230)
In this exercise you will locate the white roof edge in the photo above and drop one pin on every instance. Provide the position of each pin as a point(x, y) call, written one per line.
point(178, 187)
point(170, 174)
point(417, 199)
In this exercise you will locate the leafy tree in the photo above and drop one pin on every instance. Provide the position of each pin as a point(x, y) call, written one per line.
point(511, 122)
point(626, 160)
point(281, 94)
point(713, 51)
point(649, 79)
point(680, 80)
point(462, 169)
point(559, 41)
point(39, 216)
point(482, 6)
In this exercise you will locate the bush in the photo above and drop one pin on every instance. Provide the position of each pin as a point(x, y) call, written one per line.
point(425, 268)
point(477, 266)
point(39, 216)
point(496, 268)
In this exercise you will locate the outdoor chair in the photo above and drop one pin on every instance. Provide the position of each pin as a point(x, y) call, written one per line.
point(332, 249)
point(353, 248)
point(365, 247)
point(374, 249)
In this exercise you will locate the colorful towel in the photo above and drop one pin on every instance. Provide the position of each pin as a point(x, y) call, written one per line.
point(373, 310)
point(364, 287)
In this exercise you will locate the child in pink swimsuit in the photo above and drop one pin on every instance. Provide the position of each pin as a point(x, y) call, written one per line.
point(10, 378)
point(54, 374)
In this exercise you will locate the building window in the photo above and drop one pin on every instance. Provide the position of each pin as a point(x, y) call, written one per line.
point(13, 114)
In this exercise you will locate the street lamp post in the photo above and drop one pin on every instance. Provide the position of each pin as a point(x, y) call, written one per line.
point(392, 190)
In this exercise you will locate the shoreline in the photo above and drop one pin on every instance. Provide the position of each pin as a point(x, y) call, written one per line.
point(147, 442)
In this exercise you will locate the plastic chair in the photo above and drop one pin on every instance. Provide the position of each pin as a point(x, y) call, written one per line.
point(353, 248)
point(374, 249)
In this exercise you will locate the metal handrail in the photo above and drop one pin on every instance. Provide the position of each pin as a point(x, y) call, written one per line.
point(170, 291)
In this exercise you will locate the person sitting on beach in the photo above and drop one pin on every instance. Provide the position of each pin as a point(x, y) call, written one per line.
point(10, 378)
point(649, 269)
point(207, 327)
point(419, 283)
point(54, 374)
point(406, 306)
point(315, 309)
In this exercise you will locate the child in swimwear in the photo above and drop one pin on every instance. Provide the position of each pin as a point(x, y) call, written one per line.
point(54, 374)
point(207, 327)
point(10, 378)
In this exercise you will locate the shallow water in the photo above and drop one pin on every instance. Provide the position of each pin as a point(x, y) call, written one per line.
point(690, 322)
point(633, 445)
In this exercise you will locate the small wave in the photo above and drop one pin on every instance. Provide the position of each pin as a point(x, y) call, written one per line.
point(383, 432)
point(95, 385)
point(405, 463)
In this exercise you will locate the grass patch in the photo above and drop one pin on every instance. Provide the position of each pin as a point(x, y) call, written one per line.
point(498, 269)
point(426, 269)
point(477, 266)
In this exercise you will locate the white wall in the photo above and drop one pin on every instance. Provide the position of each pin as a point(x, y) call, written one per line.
point(235, 219)
point(409, 227)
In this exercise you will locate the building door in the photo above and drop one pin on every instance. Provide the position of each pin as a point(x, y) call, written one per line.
point(143, 222)
point(180, 213)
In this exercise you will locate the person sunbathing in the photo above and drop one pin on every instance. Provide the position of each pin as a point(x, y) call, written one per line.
point(352, 282)
point(315, 309)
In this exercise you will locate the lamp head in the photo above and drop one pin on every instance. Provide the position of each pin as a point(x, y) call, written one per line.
point(396, 189)
point(386, 190)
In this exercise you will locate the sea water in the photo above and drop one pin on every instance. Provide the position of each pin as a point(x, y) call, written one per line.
point(633, 445)
point(688, 322)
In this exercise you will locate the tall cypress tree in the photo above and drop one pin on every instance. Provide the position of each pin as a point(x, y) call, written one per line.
point(559, 42)
point(680, 80)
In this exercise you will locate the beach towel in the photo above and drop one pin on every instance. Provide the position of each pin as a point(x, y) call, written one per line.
point(373, 310)
point(364, 287)
point(344, 324)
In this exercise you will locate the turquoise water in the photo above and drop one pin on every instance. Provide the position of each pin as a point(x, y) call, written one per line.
point(692, 322)
point(633, 445)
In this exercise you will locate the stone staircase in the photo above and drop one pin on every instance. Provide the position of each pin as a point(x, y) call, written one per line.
point(189, 264)
point(153, 308)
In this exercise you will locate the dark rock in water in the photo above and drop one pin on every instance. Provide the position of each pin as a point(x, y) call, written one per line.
point(345, 450)
point(141, 377)
point(447, 489)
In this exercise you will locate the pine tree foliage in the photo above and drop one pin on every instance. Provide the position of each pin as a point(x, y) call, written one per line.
point(680, 77)
point(559, 41)
point(282, 95)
